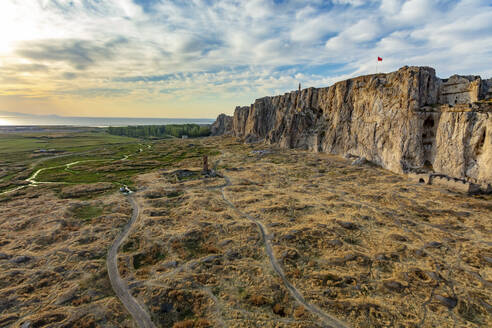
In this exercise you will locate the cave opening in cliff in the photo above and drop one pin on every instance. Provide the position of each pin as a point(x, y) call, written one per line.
point(428, 133)
point(428, 140)
point(429, 123)
point(480, 143)
point(428, 165)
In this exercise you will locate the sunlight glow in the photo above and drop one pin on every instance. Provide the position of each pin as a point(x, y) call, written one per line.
point(4, 121)
point(20, 22)
point(11, 29)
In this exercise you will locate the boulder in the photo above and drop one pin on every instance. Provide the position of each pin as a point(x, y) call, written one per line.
point(21, 259)
point(360, 161)
point(449, 302)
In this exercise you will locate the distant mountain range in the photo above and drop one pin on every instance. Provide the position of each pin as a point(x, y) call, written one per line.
point(14, 118)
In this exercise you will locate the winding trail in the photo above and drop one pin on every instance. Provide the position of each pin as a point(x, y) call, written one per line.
point(33, 182)
point(120, 287)
point(32, 179)
point(327, 319)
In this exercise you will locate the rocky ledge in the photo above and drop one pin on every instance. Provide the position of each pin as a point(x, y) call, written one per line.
point(408, 121)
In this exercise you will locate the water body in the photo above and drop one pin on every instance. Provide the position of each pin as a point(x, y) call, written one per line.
point(28, 120)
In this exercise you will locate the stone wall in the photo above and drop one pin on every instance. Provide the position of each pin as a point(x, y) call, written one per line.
point(448, 182)
point(461, 89)
point(404, 121)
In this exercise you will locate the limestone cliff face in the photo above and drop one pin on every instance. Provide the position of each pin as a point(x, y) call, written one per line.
point(221, 126)
point(240, 119)
point(403, 121)
point(463, 145)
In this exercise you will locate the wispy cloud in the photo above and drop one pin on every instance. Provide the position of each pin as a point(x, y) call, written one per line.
point(80, 54)
point(177, 54)
point(96, 92)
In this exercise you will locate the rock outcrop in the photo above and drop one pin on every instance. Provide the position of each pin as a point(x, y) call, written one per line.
point(222, 125)
point(405, 121)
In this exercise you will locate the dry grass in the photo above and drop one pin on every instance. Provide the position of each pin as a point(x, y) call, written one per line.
point(53, 270)
point(369, 246)
point(363, 244)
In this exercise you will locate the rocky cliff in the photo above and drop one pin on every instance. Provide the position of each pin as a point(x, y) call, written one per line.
point(406, 121)
point(222, 125)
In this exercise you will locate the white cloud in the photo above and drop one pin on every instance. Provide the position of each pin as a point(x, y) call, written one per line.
point(312, 28)
point(363, 31)
point(351, 2)
point(416, 11)
point(391, 6)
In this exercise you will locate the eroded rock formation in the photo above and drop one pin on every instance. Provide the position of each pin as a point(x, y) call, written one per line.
point(406, 121)
point(222, 125)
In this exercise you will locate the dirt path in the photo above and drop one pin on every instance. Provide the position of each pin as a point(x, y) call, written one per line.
point(137, 311)
point(120, 287)
point(327, 319)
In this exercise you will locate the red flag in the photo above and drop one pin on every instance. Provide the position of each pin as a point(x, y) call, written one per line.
point(380, 59)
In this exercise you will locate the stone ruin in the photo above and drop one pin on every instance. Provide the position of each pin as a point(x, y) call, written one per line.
point(205, 164)
point(444, 181)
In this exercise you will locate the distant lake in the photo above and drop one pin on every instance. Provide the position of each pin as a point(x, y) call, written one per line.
point(14, 119)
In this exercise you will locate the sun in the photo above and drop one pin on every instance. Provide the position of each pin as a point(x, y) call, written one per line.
point(17, 23)
point(6, 35)
point(4, 121)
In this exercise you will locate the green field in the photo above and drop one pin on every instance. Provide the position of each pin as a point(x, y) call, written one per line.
point(22, 143)
point(99, 157)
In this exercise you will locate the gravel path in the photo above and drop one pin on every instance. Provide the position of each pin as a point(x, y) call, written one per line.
point(120, 287)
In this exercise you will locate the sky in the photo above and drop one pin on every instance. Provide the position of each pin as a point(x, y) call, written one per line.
point(199, 58)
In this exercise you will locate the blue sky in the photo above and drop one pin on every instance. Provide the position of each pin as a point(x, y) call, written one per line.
point(198, 58)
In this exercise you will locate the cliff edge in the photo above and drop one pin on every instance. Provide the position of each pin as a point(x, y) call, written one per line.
point(405, 121)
